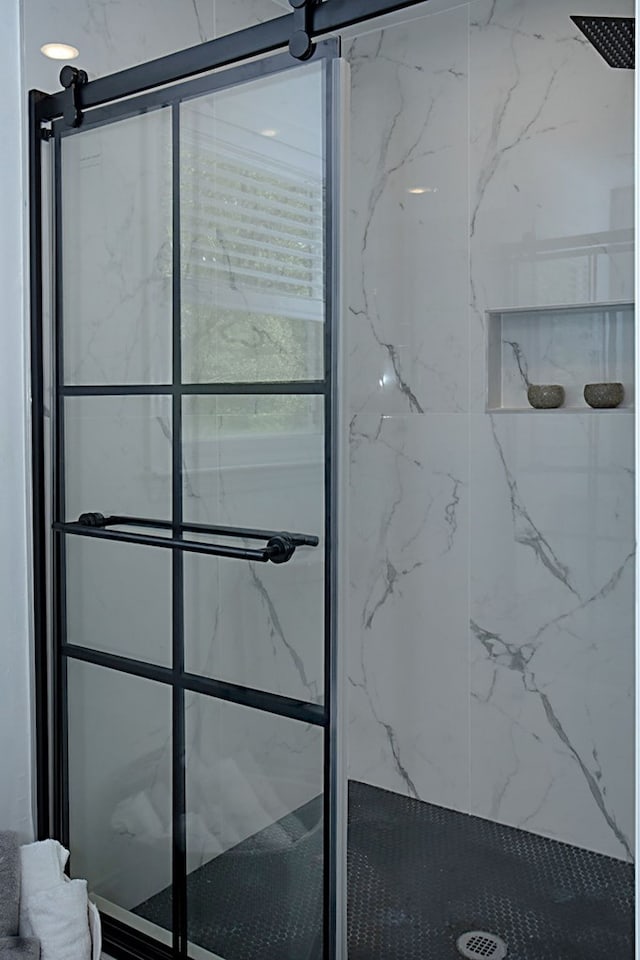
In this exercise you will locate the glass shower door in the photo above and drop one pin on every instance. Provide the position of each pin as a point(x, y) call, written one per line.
point(194, 512)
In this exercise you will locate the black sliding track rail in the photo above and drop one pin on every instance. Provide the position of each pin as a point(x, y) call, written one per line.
point(329, 17)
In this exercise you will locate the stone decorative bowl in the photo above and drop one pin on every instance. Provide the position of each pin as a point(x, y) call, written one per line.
point(604, 396)
point(545, 396)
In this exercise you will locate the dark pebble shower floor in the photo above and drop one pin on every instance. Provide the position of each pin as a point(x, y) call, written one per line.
point(418, 877)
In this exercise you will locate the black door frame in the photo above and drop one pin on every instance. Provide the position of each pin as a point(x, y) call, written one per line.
point(102, 101)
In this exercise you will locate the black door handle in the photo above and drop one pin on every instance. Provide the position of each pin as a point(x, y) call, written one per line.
point(279, 547)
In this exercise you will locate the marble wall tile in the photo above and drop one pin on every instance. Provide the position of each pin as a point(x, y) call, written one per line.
point(551, 164)
point(220, 17)
point(551, 603)
point(407, 269)
point(408, 658)
point(544, 688)
point(110, 36)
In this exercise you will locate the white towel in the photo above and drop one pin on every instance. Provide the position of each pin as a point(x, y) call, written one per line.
point(59, 918)
point(95, 928)
point(42, 866)
point(53, 908)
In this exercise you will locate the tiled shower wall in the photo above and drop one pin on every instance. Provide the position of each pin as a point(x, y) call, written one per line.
point(492, 556)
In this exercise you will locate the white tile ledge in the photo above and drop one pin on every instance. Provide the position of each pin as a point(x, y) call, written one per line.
point(585, 409)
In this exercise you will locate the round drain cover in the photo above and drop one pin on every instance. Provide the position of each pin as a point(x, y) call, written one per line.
point(478, 945)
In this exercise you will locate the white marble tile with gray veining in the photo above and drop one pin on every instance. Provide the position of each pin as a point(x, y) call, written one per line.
point(110, 36)
point(552, 560)
point(408, 650)
point(545, 138)
point(407, 222)
point(570, 348)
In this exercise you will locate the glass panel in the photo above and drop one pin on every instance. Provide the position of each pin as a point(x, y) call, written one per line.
point(254, 831)
point(119, 598)
point(255, 461)
point(257, 625)
point(118, 456)
point(252, 194)
point(116, 252)
point(218, 18)
point(119, 787)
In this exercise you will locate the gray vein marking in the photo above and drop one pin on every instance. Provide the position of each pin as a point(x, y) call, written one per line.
point(188, 485)
point(507, 655)
point(277, 628)
point(592, 782)
point(450, 511)
point(525, 530)
point(392, 577)
point(392, 739)
point(490, 170)
point(203, 36)
point(414, 404)
point(381, 179)
point(600, 594)
point(491, 12)
point(521, 360)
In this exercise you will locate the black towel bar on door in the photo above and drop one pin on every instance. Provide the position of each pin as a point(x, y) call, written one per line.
point(280, 546)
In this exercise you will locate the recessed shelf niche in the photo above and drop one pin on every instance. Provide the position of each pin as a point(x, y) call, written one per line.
point(570, 345)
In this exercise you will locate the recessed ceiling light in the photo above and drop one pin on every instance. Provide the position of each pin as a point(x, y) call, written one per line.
point(59, 51)
point(419, 190)
point(269, 133)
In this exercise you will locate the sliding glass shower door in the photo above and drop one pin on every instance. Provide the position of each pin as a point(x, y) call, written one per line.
point(194, 512)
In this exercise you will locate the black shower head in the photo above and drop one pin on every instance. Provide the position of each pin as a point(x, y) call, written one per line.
point(613, 37)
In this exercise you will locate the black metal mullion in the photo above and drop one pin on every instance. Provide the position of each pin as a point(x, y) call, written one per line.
point(273, 703)
point(116, 390)
point(179, 846)
point(268, 388)
point(329, 840)
point(39, 495)
point(312, 713)
point(59, 664)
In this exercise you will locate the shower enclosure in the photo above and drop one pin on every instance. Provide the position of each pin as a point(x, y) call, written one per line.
point(194, 506)
point(252, 259)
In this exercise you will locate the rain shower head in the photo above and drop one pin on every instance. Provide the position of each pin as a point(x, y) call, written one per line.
point(613, 37)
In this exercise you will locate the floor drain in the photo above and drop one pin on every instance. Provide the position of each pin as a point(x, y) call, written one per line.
point(478, 945)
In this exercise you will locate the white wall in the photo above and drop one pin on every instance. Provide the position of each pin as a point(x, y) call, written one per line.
point(15, 717)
